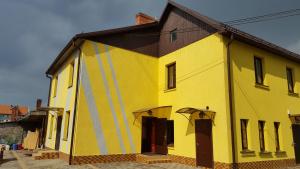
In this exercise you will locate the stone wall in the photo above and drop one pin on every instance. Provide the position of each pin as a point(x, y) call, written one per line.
point(11, 133)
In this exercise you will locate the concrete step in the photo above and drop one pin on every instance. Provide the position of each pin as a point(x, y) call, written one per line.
point(46, 154)
point(153, 158)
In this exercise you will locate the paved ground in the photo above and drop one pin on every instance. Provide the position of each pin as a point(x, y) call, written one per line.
point(21, 160)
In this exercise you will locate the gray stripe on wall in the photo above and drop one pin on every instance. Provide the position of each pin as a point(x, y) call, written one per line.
point(132, 146)
point(109, 98)
point(93, 111)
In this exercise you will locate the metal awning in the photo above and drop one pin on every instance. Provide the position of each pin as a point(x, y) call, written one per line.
point(57, 109)
point(295, 118)
point(52, 110)
point(203, 113)
point(150, 110)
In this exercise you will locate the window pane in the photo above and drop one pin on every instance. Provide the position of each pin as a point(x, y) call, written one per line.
point(290, 80)
point(55, 81)
point(244, 134)
point(276, 127)
point(258, 70)
point(66, 125)
point(171, 76)
point(51, 127)
point(71, 74)
point(173, 35)
point(261, 125)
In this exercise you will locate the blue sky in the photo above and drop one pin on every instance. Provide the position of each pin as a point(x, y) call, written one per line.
point(33, 32)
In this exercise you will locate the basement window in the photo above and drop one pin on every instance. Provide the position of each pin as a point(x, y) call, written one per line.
point(170, 133)
point(173, 35)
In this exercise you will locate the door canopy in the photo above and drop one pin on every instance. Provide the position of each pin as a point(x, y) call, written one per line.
point(295, 119)
point(149, 111)
point(203, 113)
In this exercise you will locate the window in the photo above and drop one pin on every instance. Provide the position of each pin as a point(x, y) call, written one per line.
point(55, 81)
point(171, 76)
point(51, 126)
point(290, 80)
point(276, 127)
point(170, 133)
point(244, 124)
point(261, 129)
point(71, 74)
point(173, 35)
point(259, 79)
point(66, 125)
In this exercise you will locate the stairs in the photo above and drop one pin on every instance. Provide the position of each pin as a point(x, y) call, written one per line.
point(152, 158)
point(45, 154)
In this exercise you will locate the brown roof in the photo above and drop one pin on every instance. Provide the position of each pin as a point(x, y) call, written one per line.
point(221, 27)
point(7, 110)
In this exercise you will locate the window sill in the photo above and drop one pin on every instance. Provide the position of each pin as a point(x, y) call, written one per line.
point(262, 86)
point(265, 153)
point(280, 153)
point(293, 94)
point(247, 152)
point(169, 90)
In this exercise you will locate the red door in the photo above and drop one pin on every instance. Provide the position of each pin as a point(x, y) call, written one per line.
point(161, 136)
point(204, 143)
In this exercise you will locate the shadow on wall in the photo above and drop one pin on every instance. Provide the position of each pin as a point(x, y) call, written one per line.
point(274, 65)
point(164, 112)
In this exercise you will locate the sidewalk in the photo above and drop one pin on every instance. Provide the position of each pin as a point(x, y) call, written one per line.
point(23, 160)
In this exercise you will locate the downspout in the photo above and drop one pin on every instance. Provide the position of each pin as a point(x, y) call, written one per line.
point(45, 121)
point(75, 105)
point(230, 91)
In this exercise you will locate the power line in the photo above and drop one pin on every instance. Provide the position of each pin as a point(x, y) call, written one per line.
point(236, 22)
point(266, 17)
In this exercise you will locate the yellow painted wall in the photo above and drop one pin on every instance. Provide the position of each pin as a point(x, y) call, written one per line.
point(270, 105)
point(136, 76)
point(141, 82)
point(65, 98)
point(200, 71)
point(115, 81)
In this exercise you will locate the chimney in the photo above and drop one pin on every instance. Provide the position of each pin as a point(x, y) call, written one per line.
point(38, 103)
point(142, 18)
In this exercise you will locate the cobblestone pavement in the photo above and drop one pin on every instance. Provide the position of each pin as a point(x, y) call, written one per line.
point(21, 160)
point(132, 165)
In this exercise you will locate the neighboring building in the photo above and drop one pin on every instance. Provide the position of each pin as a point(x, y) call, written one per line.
point(10, 113)
point(198, 90)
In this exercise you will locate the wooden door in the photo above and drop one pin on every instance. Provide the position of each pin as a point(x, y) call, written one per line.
point(296, 136)
point(146, 134)
point(58, 130)
point(161, 136)
point(204, 143)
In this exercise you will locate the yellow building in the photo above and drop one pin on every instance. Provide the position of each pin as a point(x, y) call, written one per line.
point(188, 87)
